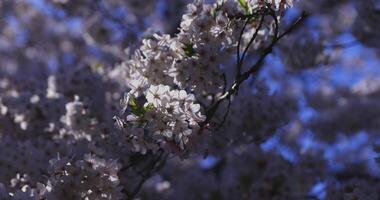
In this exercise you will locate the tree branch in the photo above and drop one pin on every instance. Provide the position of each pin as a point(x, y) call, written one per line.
point(255, 68)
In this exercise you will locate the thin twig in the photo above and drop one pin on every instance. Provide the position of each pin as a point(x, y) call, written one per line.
point(253, 69)
point(225, 114)
point(252, 39)
point(149, 170)
point(256, 67)
point(238, 65)
point(225, 83)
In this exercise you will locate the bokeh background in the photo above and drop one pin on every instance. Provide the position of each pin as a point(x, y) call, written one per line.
point(330, 67)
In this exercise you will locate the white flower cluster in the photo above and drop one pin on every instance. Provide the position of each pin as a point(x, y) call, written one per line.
point(187, 97)
point(76, 114)
point(178, 74)
point(277, 5)
point(90, 178)
point(77, 120)
point(167, 116)
point(192, 59)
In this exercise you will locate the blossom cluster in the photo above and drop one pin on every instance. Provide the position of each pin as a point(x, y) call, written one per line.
point(90, 178)
point(178, 74)
point(166, 117)
point(218, 96)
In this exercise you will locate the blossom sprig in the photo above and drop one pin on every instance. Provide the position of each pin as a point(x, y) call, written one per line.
point(163, 116)
point(168, 75)
point(186, 96)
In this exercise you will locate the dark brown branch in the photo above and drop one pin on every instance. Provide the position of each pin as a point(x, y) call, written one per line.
point(156, 164)
point(251, 40)
point(225, 114)
point(254, 69)
point(238, 65)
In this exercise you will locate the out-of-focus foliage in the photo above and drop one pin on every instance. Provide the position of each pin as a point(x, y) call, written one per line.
point(174, 99)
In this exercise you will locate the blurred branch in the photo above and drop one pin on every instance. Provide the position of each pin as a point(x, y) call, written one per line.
point(155, 165)
point(342, 45)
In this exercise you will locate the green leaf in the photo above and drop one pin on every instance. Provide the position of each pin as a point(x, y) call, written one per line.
point(189, 49)
point(139, 110)
point(96, 66)
point(244, 5)
point(133, 103)
point(148, 107)
point(135, 108)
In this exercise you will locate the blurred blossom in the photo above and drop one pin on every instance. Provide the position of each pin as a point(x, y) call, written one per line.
point(180, 99)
